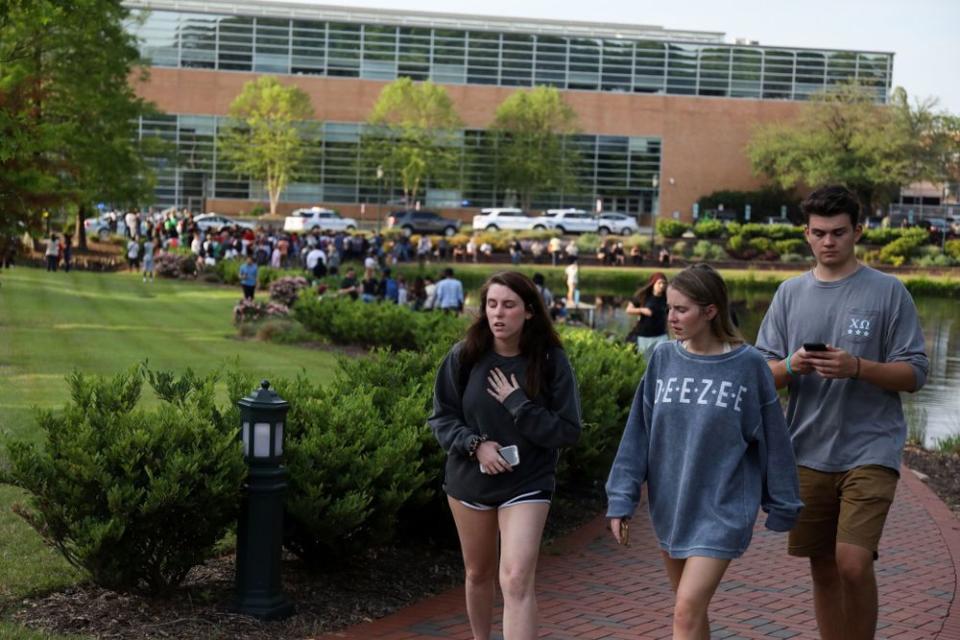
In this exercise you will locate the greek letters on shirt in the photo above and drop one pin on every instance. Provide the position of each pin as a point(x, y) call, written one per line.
point(706, 391)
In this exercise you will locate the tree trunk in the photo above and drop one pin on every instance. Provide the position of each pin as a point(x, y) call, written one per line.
point(80, 233)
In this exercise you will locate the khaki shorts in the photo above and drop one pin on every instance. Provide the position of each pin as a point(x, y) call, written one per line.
point(846, 506)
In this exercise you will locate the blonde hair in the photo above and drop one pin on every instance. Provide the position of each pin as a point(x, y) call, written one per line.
point(702, 284)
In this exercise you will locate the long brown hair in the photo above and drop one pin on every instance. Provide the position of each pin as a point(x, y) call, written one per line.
point(536, 338)
point(646, 290)
point(702, 284)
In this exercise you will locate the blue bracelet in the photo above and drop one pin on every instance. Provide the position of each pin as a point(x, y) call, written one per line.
point(789, 370)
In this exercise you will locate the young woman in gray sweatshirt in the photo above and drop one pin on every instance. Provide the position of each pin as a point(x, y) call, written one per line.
point(508, 383)
point(707, 435)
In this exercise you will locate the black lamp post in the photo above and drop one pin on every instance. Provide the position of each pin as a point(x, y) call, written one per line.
point(260, 530)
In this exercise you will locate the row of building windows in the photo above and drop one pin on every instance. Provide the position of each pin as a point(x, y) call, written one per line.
point(384, 52)
point(618, 169)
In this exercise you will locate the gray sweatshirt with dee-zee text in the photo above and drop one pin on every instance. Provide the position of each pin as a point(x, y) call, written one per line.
point(708, 437)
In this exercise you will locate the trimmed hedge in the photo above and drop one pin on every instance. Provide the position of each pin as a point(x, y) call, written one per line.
point(118, 491)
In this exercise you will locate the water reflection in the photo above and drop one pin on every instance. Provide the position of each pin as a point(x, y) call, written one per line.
point(932, 413)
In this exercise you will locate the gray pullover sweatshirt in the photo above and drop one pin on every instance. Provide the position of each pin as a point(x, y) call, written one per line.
point(707, 435)
point(538, 427)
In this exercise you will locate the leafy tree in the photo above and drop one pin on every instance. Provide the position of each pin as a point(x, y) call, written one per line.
point(413, 135)
point(267, 136)
point(842, 136)
point(68, 112)
point(533, 154)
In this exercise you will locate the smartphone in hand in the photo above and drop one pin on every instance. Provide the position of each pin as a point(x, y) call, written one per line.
point(511, 454)
point(814, 346)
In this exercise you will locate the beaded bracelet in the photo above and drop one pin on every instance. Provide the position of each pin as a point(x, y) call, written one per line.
point(789, 369)
point(474, 444)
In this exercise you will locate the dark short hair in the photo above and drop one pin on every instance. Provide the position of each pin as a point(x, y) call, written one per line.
point(829, 201)
point(538, 279)
point(448, 273)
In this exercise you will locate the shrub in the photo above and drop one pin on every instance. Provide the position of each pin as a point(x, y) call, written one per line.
point(706, 250)
point(282, 331)
point(608, 374)
point(119, 492)
point(708, 229)
point(763, 247)
point(346, 321)
point(792, 245)
point(881, 236)
point(792, 258)
point(287, 289)
point(739, 247)
point(904, 247)
point(253, 311)
point(589, 243)
point(680, 249)
point(169, 265)
point(952, 249)
point(668, 228)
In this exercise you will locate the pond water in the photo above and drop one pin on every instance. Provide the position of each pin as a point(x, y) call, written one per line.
point(932, 413)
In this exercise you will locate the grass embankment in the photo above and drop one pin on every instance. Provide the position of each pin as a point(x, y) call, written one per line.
point(53, 323)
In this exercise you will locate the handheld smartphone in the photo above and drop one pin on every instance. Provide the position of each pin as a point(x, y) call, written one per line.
point(511, 454)
point(814, 346)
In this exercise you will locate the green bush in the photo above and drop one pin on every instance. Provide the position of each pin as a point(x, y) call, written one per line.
point(680, 249)
point(589, 243)
point(706, 250)
point(346, 321)
point(881, 236)
point(136, 498)
point(668, 228)
point(608, 374)
point(904, 247)
point(792, 258)
point(952, 249)
point(709, 229)
point(793, 245)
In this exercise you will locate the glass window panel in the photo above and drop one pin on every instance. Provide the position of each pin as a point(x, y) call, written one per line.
point(198, 41)
point(682, 69)
point(811, 73)
point(714, 71)
point(777, 74)
point(308, 48)
point(617, 65)
point(649, 67)
point(483, 57)
point(343, 49)
point(158, 35)
point(872, 73)
point(414, 61)
point(550, 61)
point(517, 60)
point(745, 72)
point(235, 46)
point(584, 67)
point(841, 66)
point(272, 46)
point(449, 56)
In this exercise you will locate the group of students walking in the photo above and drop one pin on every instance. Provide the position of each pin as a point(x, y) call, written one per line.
point(706, 433)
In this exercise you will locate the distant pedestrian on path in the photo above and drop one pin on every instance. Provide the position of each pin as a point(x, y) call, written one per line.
point(248, 278)
point(649, 306)
point(508, 383)
point(149, 250)
point(572, 273)
point(845, 340)
point(449, 293)
point(52, 254)
point(707, 436)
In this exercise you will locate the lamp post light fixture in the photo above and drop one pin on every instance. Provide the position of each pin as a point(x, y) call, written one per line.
point(379, 195)
point(260, 530)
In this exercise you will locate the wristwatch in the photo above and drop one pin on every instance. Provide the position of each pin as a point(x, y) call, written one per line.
point(474, 442)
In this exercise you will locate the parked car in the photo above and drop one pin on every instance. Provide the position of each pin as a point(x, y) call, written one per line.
point(215, 222)
point(938, 228)
point(100, 227)
point(619, 223)
point(567, 221)
point(422, 222)
point(503, 218)
point(305, 220)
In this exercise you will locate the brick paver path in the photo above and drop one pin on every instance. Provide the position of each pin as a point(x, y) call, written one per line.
point(589, 588)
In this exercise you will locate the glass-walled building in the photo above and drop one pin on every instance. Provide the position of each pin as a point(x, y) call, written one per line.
point(664, 114)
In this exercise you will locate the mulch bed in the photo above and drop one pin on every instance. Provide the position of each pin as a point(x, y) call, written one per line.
point(942, 471)
point(370, 587)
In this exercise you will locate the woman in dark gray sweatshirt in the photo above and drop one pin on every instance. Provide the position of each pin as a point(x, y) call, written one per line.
point(507, 384)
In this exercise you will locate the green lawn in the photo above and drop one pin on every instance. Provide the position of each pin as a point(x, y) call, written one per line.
point(53, 323)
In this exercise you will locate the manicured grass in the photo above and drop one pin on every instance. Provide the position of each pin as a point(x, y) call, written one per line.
point(53, 323)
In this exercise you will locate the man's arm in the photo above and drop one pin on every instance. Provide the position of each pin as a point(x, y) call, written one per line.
point(889, 376)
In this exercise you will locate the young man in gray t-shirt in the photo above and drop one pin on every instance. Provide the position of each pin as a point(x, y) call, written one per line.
point(863, 346)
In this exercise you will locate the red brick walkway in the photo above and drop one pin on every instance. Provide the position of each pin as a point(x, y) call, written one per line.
point(590, 588)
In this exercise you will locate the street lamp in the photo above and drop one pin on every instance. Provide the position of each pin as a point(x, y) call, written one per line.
point(379, 195)
point(260, 530)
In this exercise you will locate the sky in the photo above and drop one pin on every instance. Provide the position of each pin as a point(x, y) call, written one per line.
point(924, 34)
